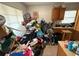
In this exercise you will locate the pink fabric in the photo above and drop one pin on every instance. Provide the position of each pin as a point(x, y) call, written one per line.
point(28, 52)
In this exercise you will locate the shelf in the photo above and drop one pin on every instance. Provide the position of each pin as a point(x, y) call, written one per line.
point(63, 28)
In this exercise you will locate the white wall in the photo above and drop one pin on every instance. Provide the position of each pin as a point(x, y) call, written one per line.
point(45, 11)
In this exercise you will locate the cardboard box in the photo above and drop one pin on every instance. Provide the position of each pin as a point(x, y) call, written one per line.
point(3, 32)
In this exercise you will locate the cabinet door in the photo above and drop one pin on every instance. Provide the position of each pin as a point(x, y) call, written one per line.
point(77, 22)
point(62, 12)
point(55, 13)
point(58, 13)
point(77, 26)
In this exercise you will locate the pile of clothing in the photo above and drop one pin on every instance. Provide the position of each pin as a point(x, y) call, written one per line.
point(31, 48)
point(37, 34)
point(22, 50)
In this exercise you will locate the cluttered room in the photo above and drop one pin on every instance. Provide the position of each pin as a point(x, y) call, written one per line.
point(39, 29)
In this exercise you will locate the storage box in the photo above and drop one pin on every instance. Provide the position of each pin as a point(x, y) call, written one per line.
point(2, 32)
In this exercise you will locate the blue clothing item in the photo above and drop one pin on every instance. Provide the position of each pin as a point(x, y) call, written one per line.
point(70, 45)
point(40, 33)
point(17, 54)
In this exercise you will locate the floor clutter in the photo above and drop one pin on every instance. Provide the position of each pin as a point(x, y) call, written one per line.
point(33, 42)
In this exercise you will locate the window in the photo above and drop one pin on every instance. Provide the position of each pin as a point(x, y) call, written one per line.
point(69, 17)
point(13, 18)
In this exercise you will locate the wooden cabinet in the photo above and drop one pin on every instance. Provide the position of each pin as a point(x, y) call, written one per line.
point(58, 13)
point(66, 35)
point(55, 13)
point(62, 51)
point(76, 27)
point(62, 12)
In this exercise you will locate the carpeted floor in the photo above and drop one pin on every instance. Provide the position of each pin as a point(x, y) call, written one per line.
point(50, 50)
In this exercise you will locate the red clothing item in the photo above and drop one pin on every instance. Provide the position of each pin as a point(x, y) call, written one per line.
point(40, 40)
point(28, 52)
